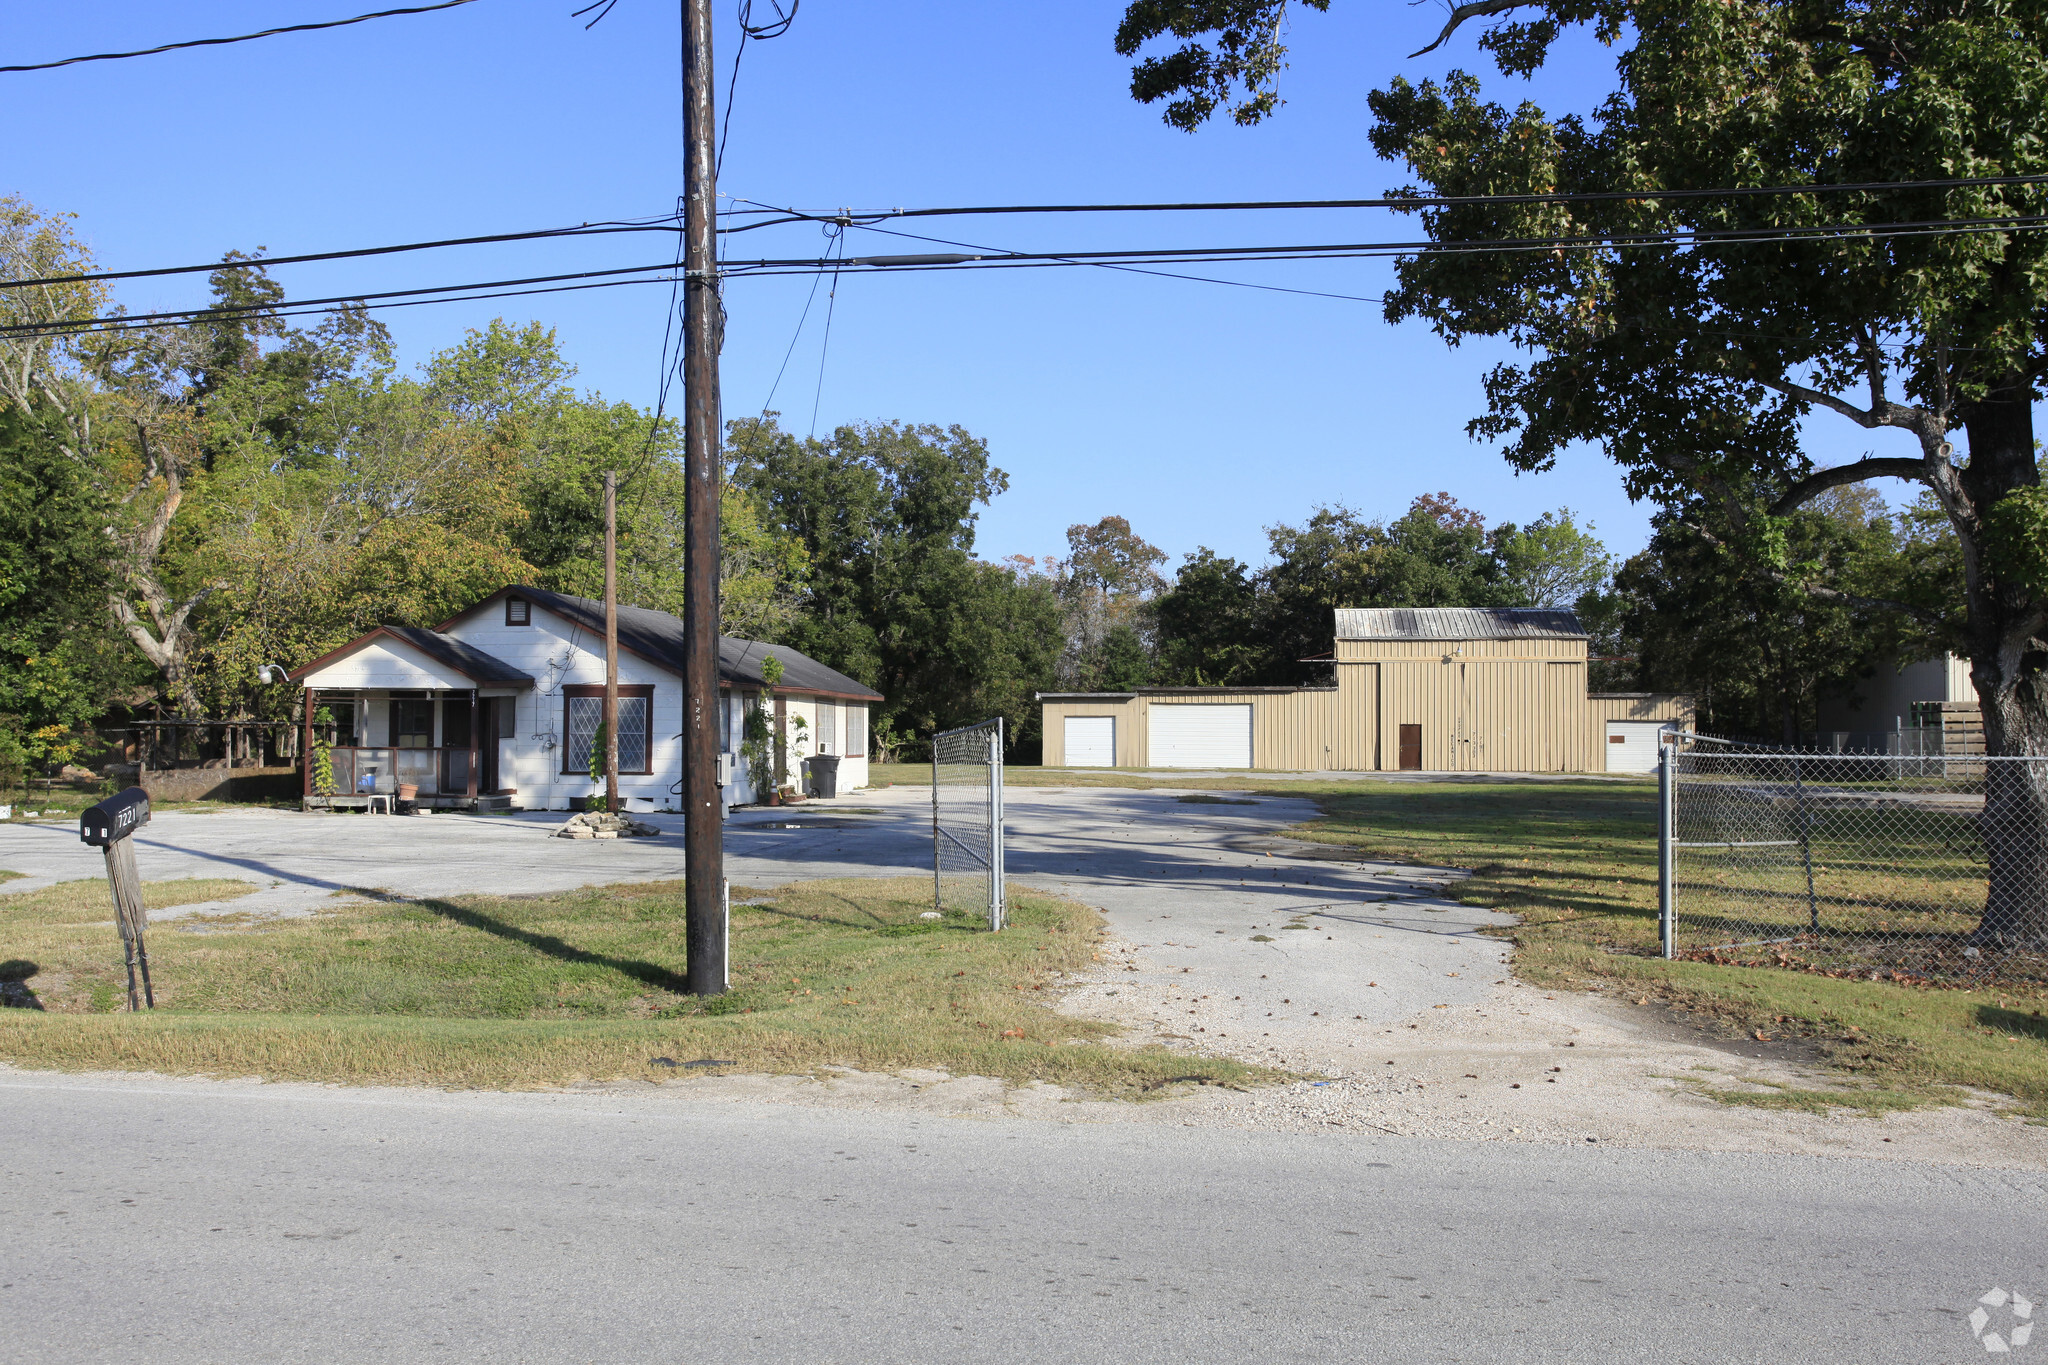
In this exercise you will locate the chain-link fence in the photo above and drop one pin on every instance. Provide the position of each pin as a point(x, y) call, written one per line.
point(967, 820)
point(1900, 866)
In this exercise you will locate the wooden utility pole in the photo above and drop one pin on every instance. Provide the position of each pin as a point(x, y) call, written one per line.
point(703, 837)
point(611, 641)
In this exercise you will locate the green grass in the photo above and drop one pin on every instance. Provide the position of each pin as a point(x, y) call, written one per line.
point(1577, 863)
point(544, 990)
point(6, 876)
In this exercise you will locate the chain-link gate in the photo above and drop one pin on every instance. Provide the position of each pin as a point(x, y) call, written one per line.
point(1890, 865)
point(967, 820)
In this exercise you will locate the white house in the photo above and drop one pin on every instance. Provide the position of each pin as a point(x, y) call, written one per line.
point(498, 706)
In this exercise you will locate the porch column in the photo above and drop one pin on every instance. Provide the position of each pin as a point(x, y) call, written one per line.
point(474, 746)
point(306, 748)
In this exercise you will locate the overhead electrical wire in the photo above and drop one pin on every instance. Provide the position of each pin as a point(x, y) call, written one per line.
point(1128, 269)
point(1405, 202)
point(656, 273)
point(238, 38)
point(670, 222)
point(664, 271)
point(825, 346)
point(1367, 250)
point(797, 335)
point(603, 228)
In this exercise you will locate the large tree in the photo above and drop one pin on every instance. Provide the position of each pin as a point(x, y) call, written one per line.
point(885, 513)
point(1693, 338)
point(1761, 653)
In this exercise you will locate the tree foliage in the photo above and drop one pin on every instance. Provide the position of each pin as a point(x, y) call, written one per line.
point(1224, 623)
point(885, 515)
point(1692, 338)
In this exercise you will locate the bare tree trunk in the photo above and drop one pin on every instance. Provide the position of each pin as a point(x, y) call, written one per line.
point(2004, 620)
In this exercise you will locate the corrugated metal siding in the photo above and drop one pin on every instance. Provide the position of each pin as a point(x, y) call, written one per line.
point(1357, 719)
point(1366, 651)
point(1498, 706)
point(1456, 623)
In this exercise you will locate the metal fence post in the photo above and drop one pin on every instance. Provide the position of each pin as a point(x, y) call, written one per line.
point(998, 903)
point(1666, 911)
point(1805, 846)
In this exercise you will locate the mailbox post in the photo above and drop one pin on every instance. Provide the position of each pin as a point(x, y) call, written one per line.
point(107, 827)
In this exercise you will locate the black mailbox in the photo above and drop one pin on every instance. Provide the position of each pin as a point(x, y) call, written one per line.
point(117, 817)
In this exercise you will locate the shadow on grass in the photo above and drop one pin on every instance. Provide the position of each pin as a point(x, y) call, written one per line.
point(647, 972)
point(2013, 1023)
point(14, 989)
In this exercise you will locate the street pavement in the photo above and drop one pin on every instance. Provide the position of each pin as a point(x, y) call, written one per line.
point(196, 1221)
point(193, 1220)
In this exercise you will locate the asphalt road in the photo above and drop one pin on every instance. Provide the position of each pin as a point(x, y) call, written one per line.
point(194, 1221)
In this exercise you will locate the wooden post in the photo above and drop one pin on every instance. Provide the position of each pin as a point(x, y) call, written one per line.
point(475, 744)
point(611, 642)
point(128, 913)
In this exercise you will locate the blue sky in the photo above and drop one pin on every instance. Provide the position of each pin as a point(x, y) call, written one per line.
point(1202, 412)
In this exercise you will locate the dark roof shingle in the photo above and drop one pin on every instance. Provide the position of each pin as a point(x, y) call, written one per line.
point(658, 636)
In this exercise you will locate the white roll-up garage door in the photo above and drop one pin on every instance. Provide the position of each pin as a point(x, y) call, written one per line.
point(1632, 745)
point(1091, 741)
point(1206, 735)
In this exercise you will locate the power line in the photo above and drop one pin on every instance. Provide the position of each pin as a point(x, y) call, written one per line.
point(663, 223)
point(667, 222)
point(239, 38)
point(796, 336)
point(1403, 201)
point(1343, 250)
point(825, 346)
point(306, 309)
point(180, 317)
point(838, 264)
point(774, 28)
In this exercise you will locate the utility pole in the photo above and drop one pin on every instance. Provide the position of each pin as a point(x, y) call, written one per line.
point(611, 641)
point(703, 838)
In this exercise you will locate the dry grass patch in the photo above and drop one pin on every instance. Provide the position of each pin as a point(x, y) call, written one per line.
point(547, 989)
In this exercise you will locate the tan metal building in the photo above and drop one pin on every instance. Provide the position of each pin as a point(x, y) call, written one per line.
point(1437, 689)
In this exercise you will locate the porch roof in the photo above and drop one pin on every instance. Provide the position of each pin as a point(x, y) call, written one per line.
point(465, 661)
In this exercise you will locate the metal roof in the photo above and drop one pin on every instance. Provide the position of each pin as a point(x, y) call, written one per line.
point(658, 637)
point(1458, 623)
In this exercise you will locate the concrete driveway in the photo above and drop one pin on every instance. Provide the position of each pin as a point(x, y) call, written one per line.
point(1200, 891)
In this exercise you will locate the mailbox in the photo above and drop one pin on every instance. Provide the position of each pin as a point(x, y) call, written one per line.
point(115, 818)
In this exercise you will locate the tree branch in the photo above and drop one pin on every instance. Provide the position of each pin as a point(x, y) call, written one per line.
point(1835, 595)
point(1870, 467)
point(1475, 9)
